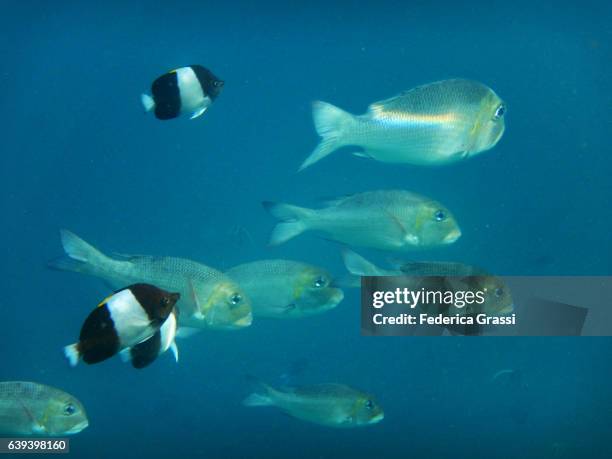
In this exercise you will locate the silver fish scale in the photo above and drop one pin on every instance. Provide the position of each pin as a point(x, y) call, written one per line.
point(172, 266)
point(274, 267)
point(381, 199)
point(12, 390)
point(434, 98)
point(330, 389)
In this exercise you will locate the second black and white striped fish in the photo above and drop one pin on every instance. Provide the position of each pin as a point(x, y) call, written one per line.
point(123, 320)
point(184, 91)
point(145, 353)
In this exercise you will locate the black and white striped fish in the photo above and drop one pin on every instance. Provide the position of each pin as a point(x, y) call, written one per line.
point(185, 91)
point(123, 320)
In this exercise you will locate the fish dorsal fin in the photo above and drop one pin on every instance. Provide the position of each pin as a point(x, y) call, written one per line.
point(105, 300)
point(335, 201)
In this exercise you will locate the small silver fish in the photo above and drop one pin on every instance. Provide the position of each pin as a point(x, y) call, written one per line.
point(385, 220)
point(434, 124)
point(331, 405)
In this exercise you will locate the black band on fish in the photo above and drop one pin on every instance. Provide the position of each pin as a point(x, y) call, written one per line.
point(98, 340)
point(167, 96)
point(143, 354)
point(211, 85)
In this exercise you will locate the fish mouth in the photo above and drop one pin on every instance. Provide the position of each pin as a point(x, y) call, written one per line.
point(508, 309)
point(377, 418)
point(452, 236)
point(79, 427)
point(336, 298)
point(244, 321)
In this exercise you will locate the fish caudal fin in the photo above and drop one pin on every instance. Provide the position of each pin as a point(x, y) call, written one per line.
point(81, 256)
point(256, 399)
point(147, 102)
point(332, 124)
point(293, 221)
point(357, 265)
point(72, 354)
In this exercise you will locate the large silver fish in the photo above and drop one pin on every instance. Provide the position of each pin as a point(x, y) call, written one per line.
point(29, 408)
point(209, 299)
point(285, 289)
point(434, 124)
point(385, 220)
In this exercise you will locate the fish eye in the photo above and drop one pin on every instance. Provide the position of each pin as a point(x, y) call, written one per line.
point(165, 301)
point(499, 112)
point(369, 405)
point(320, 282)
point(499, 292)
point(235, 299)
point(439, 215)
point(69, 409)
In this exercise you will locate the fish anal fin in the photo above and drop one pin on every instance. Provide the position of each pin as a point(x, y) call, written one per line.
point(198, 113)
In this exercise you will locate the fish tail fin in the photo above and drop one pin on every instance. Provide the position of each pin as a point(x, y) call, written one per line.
point(262, 395)
point(80, 255)
point(358, 265)
point(72, 354)
point(256, 399)
point(293, 221)
point(147, 102)
point(332, 124)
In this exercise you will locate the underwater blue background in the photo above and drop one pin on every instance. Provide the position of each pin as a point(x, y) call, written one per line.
point(79, 153)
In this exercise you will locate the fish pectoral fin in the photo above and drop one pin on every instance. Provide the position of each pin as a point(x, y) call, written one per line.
point(37, 427)
point(198, 113)
point(126, 354)
point(186, 306)
point(401, 231)
point(174, 350)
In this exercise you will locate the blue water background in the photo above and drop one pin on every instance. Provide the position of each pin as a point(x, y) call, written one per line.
point(78, 153)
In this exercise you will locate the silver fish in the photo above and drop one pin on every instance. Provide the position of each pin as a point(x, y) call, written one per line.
point(285, 289)
point(434, 124)
point(331, 405)
point(385, 220)
point(29, 408)
point(209, 299)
